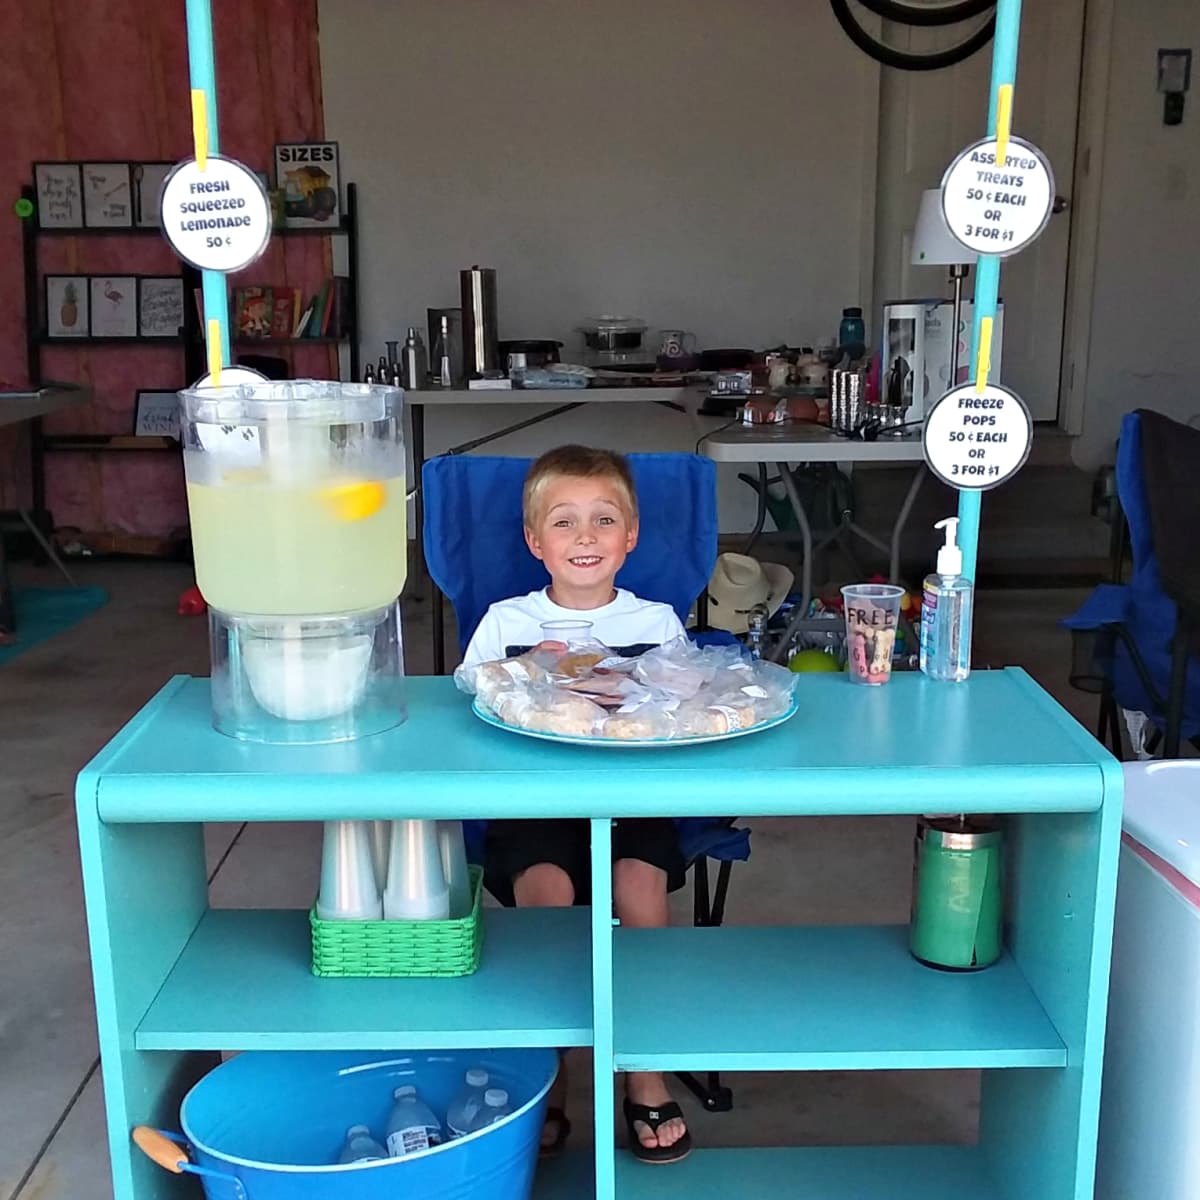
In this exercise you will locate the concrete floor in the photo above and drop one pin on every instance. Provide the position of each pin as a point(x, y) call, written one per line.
point(61, 701)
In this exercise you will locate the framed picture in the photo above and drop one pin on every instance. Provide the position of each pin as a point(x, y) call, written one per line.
point(160, 306)
point(59, 188)
point(67, 306)
point(114, 306)
point(307, 175)
point(107, 196)
point(147, 181)
point(156, 415)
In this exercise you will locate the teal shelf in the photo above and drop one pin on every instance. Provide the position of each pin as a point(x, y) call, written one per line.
point(830, 998)
point(812, 1173)
point(244, 982)
point(803, 1173)
point(994, 744)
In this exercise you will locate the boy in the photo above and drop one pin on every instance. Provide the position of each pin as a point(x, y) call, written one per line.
point(580, 514)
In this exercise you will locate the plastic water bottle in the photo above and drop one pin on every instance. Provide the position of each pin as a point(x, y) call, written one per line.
point(360, 1146)
point(454, 866)
point(412, 1125)
point(464, 1107)
point(495, 1108)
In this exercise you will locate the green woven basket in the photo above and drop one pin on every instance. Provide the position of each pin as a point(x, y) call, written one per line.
point(392, 949)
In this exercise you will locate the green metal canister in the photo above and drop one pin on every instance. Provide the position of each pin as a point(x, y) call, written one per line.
point(957, 907)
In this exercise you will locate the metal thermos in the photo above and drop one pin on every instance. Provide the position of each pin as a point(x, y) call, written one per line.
point(413, 365)
point(957, 897)
point(481, 335)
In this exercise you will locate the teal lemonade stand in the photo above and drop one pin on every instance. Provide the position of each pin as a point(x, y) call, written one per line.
point(177, 982)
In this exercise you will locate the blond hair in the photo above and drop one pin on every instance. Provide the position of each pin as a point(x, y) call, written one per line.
point(576, 462)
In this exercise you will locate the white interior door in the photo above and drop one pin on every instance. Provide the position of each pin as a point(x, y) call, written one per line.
point(925, 119)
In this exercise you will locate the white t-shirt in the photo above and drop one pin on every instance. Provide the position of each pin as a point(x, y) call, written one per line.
point(624, 623)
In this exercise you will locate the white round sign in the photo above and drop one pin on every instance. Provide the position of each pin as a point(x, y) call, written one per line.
point(218, 219)
point(998, 210)
point(976, 440)
point(232, 377)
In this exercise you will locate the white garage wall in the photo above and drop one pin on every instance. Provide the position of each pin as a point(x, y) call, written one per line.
point(703, 164)
point(1145, 352)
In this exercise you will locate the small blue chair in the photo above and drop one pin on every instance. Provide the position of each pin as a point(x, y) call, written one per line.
point(1136, 640)
point(476, 554)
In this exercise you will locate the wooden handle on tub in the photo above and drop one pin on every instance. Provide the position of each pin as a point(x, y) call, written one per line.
point(159, 1149)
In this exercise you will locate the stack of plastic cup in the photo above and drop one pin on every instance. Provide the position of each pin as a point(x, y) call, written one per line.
point(381, 849)
point(416, 881)
point(872, 616)
point(349, 891)
point(453, 848)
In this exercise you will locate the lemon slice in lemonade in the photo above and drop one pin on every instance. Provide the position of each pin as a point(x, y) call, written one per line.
point(354, 501)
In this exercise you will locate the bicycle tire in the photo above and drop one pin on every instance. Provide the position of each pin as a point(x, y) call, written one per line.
point(923, 15)
point(901, 60)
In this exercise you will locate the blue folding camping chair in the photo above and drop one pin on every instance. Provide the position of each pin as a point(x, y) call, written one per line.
point(1135, 641)
point(476, 554)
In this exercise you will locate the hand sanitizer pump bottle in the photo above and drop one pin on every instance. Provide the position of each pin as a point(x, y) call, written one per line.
point(947, 601)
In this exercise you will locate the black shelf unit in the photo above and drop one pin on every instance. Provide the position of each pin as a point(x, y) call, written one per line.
point(190, 339)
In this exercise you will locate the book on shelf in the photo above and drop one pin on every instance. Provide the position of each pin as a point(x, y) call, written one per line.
point(271, 313)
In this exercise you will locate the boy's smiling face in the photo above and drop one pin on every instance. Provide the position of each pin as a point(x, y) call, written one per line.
point(583, 533)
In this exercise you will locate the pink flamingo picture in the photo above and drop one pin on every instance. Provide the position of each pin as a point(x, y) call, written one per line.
point(111, 294)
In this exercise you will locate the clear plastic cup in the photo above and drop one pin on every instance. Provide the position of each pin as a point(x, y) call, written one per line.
point(872, 617)
point(569, 633)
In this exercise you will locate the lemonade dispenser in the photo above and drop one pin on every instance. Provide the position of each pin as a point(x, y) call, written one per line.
point(297, 503)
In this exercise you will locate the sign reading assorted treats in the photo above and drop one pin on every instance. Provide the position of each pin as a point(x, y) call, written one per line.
point(976, 439)
point(218, 218)
point(995, 206)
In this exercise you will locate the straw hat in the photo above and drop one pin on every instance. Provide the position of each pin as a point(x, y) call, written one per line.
point(738, 584)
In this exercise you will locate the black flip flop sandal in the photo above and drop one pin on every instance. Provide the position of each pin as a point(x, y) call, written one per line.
point(654, 1117)
point(555, 1148)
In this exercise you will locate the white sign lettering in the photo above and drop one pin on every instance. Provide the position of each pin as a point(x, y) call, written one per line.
point(993, 208)
point(976, 440)
point(218, 219)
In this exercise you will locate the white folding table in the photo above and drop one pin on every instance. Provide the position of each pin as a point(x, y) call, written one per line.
point(804, 442)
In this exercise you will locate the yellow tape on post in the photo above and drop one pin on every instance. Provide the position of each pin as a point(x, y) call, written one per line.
point(1004, 107)
point(983, 364)
point(214, 352)
point(200, 126)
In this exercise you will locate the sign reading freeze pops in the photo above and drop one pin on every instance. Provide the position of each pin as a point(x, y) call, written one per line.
point(976, 440)
point(998, 208)
point(218, 219)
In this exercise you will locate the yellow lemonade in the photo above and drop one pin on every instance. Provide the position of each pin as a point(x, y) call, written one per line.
point(331, 546)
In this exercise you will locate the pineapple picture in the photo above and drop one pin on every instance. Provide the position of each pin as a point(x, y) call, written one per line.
point(69, 313)
point(68, 306)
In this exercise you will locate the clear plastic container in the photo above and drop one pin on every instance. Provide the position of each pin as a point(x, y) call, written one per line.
point(307, 680)
point(296, 493)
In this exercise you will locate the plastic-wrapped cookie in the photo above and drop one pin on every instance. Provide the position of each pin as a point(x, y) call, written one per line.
point(563, 713)
point(578, 663)
point(490, 680)
point(717, 718)
point(512, 706)
point(635, 726)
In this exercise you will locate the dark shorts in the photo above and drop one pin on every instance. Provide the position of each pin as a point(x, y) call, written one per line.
point(515, 846)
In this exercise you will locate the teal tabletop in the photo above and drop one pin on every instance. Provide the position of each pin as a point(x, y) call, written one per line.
point(994, 743)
